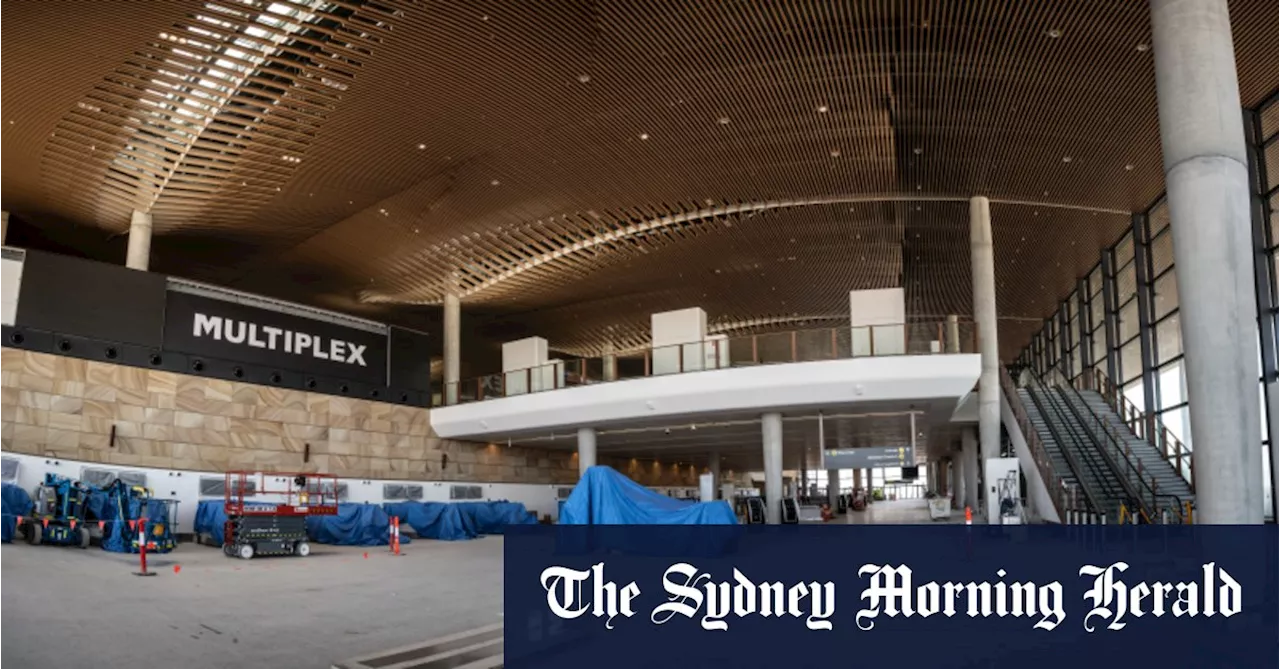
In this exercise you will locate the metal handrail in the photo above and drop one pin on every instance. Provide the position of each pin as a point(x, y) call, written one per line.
point(1067, 494)
point(1148, 426)
point(1124, 464)
point(719, 352)
point(1071, 455)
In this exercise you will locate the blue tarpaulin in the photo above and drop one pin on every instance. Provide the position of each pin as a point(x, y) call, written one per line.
point(605, 497)
point(117, 536)
point(16, 503)
point(492, 517)
point(211, 518)
point(354, 525)
point(433, 520)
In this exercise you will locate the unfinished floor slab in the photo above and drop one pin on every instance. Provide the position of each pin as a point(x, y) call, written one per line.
point(71, 607)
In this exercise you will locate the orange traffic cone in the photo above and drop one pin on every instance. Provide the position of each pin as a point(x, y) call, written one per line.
point(968, 516)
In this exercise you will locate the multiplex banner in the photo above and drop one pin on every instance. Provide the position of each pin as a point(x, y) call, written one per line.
point(873, 596)
point(237, 332)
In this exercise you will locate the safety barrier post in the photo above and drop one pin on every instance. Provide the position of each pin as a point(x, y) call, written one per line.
point(968, 515)
point(142, 549)
point(395, 535)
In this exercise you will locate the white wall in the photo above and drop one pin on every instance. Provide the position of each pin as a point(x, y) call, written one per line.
point(740, 389)
point(10, 283)
point(184, 486)
point(678, 327)
point(876, 319)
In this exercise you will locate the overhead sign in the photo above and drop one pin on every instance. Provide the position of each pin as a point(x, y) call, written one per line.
point(199, 325)
point(869, 457)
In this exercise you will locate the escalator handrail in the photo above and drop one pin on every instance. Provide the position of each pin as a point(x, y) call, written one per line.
point(1068, 453)
point(1150, 423)
point(1106, 429)
point(1039, 454)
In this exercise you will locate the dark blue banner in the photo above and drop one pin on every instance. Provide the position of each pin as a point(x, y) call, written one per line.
point(1038, 597)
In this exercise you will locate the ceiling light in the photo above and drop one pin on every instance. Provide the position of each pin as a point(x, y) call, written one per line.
point(822, 109)
point(644, 136)
point(1128, 168)
point(917, 150)
point(1054, 33)
point(1143, 47)
point(724, 120)
point(422, 146)
point(1066, 159)
point(495, 182)
point(584, 78)
point(835, 153)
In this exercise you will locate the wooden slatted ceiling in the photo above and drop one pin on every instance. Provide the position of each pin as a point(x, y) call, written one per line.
point(574, 165)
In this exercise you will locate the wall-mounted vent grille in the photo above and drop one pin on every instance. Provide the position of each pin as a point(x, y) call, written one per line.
point(393, 491)
point(100, 478)
point(327, 489)
point(466, 492)
point(211, 486)
point(134, 478)
point(413, 492)
point(9, 470)
point(563, 493)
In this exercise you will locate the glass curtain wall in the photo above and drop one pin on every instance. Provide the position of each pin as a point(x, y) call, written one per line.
point(1114, 326)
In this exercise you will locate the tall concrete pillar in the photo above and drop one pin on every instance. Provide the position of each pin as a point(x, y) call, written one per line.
point(4, 226)
point(610, 362)
point(833, 488)
point(771, 431)
point(958, 497)
point(452, 346)
point(953, 334)
point(586, 449)
point(857, 479)
point(714, 466)
point(139, 254)
point(969, 454)
point(1206, 176)
point(984, 315)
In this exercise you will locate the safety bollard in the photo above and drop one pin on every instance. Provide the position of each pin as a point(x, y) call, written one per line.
point(968, 515)
point(142, 549)
point(395, 535)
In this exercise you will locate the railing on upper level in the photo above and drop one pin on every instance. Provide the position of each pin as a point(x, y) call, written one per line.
point(722, 352)
point(1148, 426)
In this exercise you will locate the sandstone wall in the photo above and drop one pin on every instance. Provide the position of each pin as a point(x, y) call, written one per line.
point(65, 407)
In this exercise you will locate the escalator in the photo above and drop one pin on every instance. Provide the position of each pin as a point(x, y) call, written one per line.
point(1118, 474)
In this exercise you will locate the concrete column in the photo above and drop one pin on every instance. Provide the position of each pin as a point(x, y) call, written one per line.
point(771, 431)
point(958, 497)
point(953, 334)
point(833, 488)
point(586, 449)
point(139, 254)
point(610, 362)
point(1206, 176)
point(969, 454)
point(984, 310)
point(714, 466)
point(4, 226)
point(452, 346)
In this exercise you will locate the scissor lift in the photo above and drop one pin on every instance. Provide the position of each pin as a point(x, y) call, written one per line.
point(275, 522)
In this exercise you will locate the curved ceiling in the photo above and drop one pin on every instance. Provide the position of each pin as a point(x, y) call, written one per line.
point(572, 166)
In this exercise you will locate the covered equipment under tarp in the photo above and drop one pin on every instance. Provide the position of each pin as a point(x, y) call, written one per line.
point(16, 503)
point(492, 517)
point(606, 497)
point(433, 520)
point(354, 525)
point(211, 518)
point(118, 504)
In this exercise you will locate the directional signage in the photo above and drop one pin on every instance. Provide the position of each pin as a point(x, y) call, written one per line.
point(869, 457)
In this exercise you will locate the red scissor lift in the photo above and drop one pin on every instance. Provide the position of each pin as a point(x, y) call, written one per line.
point(276, 522)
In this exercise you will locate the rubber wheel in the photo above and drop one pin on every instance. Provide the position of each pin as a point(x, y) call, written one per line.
point(35, 533)
point(84, 536)
point(302, 549)
point(245, 551)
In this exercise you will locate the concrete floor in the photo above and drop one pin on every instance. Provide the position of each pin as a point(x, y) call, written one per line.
point(66, 607)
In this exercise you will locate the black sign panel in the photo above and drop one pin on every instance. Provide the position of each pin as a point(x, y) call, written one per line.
point(204, 326)
point(84, 298)
point(410, 359)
